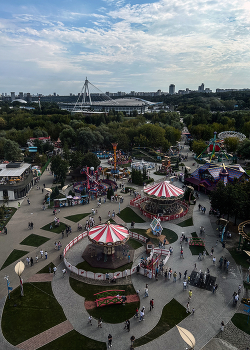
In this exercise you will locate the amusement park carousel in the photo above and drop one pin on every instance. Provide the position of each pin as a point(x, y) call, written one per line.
point(108, 247)
point(163, 199)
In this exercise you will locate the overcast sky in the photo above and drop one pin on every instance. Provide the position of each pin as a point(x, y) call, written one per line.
point(52, 45)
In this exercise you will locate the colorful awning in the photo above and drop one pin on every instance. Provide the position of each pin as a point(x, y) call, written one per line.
point(163, 189)
point(108, 234)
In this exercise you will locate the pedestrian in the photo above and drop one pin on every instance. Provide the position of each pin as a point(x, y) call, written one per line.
point(193, 311)
point(142, 312)
point(128, 325)
point(174, 275)
point(146, 291)
point(64, 271)
point(110, 340)
point(185, 274)
point(179, 275)
point(37, 258)
point(100, 219)
point(212, 251)
point(190, 293)
point(31, 261)
point(151, 303)
point(41, 252)
point(5, 230)
point(90, 320)
point(132, 339)
point(99, 322)
point(181, 255)
point(54, 269)
point(239, 288)
point(27, 260)
point(136, 315)
point(222, 325)
point(214, 260)
point(62, 233)
point(199, 257)
point(185, 285)
point(195, 266)
point(46, 254)
point(188, 308)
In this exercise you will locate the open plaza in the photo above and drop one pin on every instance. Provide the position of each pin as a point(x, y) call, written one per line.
point(90, 280)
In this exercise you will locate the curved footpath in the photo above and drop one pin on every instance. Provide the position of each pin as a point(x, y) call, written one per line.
point(210, 309)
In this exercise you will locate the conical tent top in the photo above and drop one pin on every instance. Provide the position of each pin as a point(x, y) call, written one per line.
point(187, 336)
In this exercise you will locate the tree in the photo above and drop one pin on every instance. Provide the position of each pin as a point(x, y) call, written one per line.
point(231, 144)
point(218, 198)
point(59, 167)
point(244, 149)
point(68, 136)
point(91, 160)
point(11, 151)
point(199, 146)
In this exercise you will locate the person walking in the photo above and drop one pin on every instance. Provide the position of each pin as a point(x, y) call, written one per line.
point(185, 274)
point(188, 308)
point(36, 258)
point(128, 325)
point(41, 253)
point(132, 339)
point(64, 271)
point(90, 320)
point(151, 303)
point(193, 311)
point(99, 325)
point(136, 315)
point(190, 293)
point(142, 312)
point(185, 285)
point(110, 340)
point(27, 260)
point(174, 275)
point(54, 270)
point(214, 260)
point(146, 291)
point(46, 254)
point(222, 326)
point(31, 261)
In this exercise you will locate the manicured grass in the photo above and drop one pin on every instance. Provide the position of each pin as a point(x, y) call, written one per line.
point(188, 222)
point(240, 321)
point(34, 240)
point(195, 249)
point(84, 265)
point(133, 243)
point(143, 233)
point(46, 268)
point(171, 236)
point(115, 313)
point(110, 313)
point(55, 229)
point(172, 314)
point(25, 317)
point(74, 340)
point(88, 290)
point(239, 257)
point(14, 255)
point(128, 215)
point(77, 217)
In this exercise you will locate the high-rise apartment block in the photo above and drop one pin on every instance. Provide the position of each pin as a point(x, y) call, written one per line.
point(171, 89)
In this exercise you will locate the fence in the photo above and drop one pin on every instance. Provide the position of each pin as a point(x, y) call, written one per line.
point(101, 276)
point(136, 202)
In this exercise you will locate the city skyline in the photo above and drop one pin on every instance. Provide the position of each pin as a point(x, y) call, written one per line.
point(123, 45)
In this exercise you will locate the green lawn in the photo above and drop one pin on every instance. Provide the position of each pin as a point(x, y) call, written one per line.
point(240, 321)
point(188, 222)
point(46, 268)
point(74, 340)
point(196, 249)
point(128, 215)
point(14, 256)
point(55, 229)
point(110, 313)
point(25, 317)
point(133, 243)
point(171, 236)
point(172, 314)
point(77, 217)
point(239, 257)
point(34, 240)
point(84, 265)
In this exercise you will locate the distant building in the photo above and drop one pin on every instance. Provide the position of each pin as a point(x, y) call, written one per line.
point(201, 88)
point(171, 89)
point(13, 96)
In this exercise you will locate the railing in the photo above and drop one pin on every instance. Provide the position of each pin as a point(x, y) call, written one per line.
point(118, 274)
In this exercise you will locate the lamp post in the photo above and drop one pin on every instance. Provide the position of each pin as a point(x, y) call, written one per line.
point(19, 268)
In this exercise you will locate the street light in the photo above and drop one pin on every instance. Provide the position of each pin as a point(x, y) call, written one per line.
point(19, 268)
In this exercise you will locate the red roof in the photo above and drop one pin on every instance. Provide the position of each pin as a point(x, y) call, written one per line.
point(108, 234)
point(163, 189)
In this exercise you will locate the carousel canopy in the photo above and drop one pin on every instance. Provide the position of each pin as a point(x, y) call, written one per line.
point(163, 189)
point(108, 234)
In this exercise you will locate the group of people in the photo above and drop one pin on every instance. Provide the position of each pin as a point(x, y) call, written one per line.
point(89, 223)
point(202, 209)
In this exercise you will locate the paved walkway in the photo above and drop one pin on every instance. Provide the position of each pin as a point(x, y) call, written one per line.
point(210, 309)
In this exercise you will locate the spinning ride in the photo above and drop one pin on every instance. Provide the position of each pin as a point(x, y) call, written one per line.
point(163, 198)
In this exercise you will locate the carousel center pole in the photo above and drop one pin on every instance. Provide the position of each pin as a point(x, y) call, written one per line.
point(114, 148)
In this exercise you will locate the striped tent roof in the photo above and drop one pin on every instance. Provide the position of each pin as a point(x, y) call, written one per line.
point(163, 189)
point(108, 234)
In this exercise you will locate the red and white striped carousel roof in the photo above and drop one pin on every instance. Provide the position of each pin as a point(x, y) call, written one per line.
point(163, 189)
point(108, 233)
